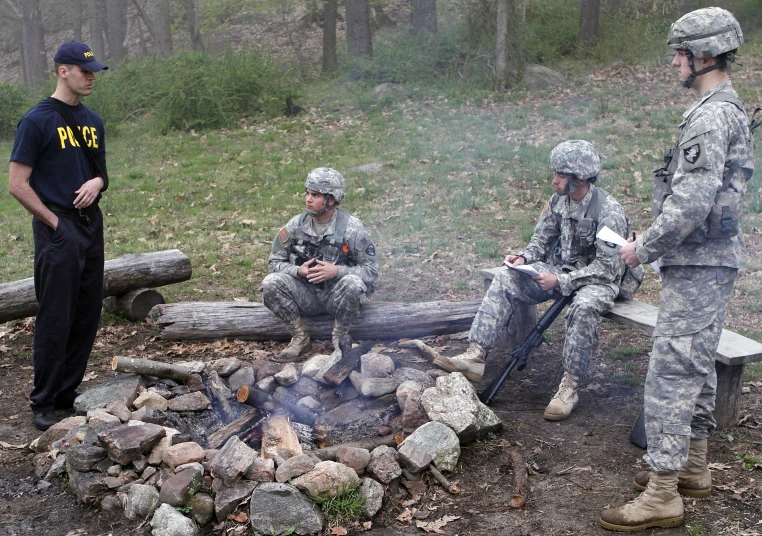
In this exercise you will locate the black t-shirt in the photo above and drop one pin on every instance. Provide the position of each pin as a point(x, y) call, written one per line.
point(59, 165)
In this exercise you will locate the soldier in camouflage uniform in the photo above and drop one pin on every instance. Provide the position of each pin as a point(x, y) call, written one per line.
point(323, 260)
point(570, 259)
point(697, 239)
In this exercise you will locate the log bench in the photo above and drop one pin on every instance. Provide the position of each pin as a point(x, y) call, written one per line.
point(733, 352)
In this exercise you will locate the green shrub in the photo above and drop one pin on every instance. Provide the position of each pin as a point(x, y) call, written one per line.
point(342, 509)
point(15, 100)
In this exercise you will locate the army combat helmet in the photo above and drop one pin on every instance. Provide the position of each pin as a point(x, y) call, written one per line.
point(577, 158)
point(706, 33)
point(326, 181)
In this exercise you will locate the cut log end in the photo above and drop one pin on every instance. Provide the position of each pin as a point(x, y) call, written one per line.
point(243, 394)
point(114, 362)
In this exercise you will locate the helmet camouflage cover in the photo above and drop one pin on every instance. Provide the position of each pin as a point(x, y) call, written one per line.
point(326, 181)
point(575, 157)
point(706, 32)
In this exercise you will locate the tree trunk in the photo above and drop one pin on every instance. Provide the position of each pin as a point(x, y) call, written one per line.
point(191, 18)
point(162, 27)
point(330, 12)
point(116, 30)
point(76, 19)
point(588, 26)
point(96, 29)
point(33, 44)
point(424, 16)
point(254, 321)
point(17, 299)
point(358, 28)
point(501, 50)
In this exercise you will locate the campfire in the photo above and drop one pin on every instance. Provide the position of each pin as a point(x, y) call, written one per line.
point(262, 443)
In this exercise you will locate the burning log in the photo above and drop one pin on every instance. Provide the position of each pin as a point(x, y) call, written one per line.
point(17, 299)
point(258, 398)
point(239, 427)
point(329, 453)
point(148, 367)
point(135, 305)
point(519, 479)
point(253, 321)
point(446, 484)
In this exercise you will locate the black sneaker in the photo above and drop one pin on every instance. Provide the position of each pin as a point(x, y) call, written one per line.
point(44, 419)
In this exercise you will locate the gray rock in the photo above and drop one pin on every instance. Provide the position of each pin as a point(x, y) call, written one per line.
point(539, 77)
point(150, 398)
point(202, 508)
point(113, 482)
point(375, 365)
point(99, 416)
point(119, 409)
point(242, 376)
point(140, 465)
point(355, 458)
point(182, 453)
point(268, 368)
point(123, 388)
point(413, 456)
point(316, 364)
point(306, 387)
point(84, 457)
point(114, 470)
point(126, 443)
point(88, 487)
point(388, 90)
point(111, 503)
point(141, 501)
point(373, 387)
point(295, 466)
point(191, 402)
point(310, 403)
point(261, 470)
point(414, 415)
point(287, 376)
point(228, 498)
point(327, 479)
point(150, 415)
point(383, 465)
point(176, 490)
point(373, 494)
point(268, 384)
point(157, 454)
point(58, 431)
point(406, 374)
point(454, 402)
point(167, 521)
point(276, 508)
point(226, 366)
point(439, 441)
point(232, 461)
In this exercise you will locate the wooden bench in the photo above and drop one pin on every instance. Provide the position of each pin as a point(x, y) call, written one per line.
point(733, 352)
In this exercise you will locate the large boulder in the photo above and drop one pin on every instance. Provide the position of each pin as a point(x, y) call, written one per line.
point(167, 521)
point(327, 479)
point(539, 77)
point(275, 508)
point(124, 388)
point(436, 439)
point(127, 443)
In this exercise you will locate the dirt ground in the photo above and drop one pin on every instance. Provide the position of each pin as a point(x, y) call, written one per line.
point(578, 467)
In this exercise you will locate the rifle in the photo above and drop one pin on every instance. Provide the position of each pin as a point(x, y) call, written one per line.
point(520, 354)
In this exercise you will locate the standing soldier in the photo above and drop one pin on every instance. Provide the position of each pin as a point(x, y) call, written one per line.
point(696, 237)
point(323, 260)
point(57, 172)
point(570, 259)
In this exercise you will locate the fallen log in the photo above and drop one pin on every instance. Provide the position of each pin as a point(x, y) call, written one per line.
point(135, 305)
point(258, 398)
point(148, 367)
point(253, 321)
point(143, 270)
point(519, 495)
point(446, 484)
point(329, 453)
point(239, 427)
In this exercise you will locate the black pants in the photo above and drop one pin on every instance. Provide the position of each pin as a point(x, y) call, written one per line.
point(68, 283)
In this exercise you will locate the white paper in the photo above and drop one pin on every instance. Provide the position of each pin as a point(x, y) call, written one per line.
point(525, 268)
point(607, 235)
point(656, 265)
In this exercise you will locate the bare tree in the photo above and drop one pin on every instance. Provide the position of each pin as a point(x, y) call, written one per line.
point(33, 43)
point(359, 37)
point(191, 17)
point(330, 14)
point(424, 16)
point(116, 30)
point(162, 27)
point(96, 29)
point(589, 31)
point(75, 7)
point(501, 50)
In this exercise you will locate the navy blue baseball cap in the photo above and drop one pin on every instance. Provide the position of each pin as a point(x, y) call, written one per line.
point(76, 53)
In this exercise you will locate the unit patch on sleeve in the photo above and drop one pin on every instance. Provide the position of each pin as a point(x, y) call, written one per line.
point(692, 153)
point(283, 234)
point(370, 250)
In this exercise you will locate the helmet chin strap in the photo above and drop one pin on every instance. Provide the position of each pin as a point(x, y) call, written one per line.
point(326, 207)
point(688, 82)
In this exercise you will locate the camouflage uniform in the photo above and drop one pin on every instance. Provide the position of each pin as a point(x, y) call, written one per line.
point(288, 295)
point(594, 271)
point(698, 273)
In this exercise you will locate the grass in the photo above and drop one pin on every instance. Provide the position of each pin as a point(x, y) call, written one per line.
point(343, 509)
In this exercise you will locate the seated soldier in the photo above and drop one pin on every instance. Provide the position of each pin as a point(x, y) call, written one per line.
point(569, 257)
point(323, 260)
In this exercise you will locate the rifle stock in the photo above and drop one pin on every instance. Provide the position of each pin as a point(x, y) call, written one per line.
point(520, 354)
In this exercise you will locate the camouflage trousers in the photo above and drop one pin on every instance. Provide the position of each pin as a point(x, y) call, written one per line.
point(510, 288)
point(289, 297)
point(681, 382)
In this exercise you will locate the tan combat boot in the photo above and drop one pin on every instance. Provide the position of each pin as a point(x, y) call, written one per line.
point(660, 505)
point(565, 400)
point(339, 330)
point(300, 343)
point(470, 363)
point(694, 480)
